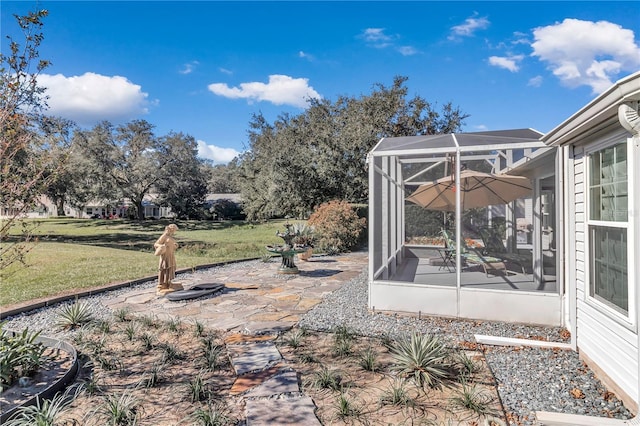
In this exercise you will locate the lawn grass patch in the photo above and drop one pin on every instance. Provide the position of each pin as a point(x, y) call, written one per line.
point(83, 253)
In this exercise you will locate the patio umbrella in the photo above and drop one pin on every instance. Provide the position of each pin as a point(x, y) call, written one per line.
point(478, 190)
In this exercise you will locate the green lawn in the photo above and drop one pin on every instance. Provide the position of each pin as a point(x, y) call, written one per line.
point(83, 253)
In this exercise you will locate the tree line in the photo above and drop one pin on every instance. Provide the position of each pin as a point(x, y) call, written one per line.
point(291, 166)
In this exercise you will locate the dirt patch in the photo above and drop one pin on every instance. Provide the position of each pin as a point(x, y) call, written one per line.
point(169, 373)
point(379, 396)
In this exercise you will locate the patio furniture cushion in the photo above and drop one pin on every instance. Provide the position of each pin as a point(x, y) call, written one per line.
point(493, 246)
point(488, 263)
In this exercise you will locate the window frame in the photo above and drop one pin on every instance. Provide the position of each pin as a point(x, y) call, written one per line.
point(628, 318)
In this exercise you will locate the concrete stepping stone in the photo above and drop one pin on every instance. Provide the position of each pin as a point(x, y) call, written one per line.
point(253, 356)
point(281, 411)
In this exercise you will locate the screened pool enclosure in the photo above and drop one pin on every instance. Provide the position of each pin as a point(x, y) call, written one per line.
point(465, 225)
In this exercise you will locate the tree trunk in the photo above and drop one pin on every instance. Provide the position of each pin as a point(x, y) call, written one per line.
point(60, 206)
point(139, 209)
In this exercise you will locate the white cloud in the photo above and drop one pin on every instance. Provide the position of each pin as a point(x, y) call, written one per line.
point(535, 81)
point(586, 53)
point(280, 90)
point(469, 28)
point(225, 71)
point(307, 56)
point(510, 63)
point(189, 67)
point(376, 37)
point(215, 153)
point(407, 50)
point(89, 98)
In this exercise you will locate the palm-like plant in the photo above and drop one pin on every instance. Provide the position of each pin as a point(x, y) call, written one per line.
point(423, 358)
point(74, 316)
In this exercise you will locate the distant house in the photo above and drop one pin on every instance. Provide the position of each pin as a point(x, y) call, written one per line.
point(579, 228)
point(122, 209)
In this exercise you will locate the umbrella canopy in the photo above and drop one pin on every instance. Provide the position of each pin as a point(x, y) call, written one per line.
point(478, 190)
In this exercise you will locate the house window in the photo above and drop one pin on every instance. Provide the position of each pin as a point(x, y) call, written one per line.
point(608, 223)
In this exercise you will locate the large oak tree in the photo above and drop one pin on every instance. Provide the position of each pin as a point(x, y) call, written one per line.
point(299, 162)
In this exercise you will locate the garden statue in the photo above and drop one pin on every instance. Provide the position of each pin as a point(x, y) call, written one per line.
point(289, 249)
point(166, 248)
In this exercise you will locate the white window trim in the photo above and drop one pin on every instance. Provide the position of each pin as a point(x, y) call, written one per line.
point(629, 320)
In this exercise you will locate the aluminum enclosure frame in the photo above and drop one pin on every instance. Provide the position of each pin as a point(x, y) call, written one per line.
point(387, 227)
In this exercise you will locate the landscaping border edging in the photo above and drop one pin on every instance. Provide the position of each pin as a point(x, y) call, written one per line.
point(54, 387)
point(20, 308)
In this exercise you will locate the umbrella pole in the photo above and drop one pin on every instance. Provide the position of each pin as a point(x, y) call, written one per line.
point(458, 231)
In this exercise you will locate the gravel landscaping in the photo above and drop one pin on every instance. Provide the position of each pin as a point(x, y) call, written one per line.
point(530, 379)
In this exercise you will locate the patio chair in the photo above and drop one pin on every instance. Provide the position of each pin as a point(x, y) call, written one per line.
point(494, 246)
point(488, 263)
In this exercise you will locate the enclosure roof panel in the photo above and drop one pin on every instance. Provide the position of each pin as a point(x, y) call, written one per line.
point(452, 141)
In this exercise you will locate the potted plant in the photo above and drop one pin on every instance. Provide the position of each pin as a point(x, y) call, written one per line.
point(303, 239)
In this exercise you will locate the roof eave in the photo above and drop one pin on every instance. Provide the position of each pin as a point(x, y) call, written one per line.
point(600, 110)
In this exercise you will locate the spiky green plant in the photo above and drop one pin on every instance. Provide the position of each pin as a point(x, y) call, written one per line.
point(46, 412)
point(397, 394)
point(170, 353)
point(327, 378)
point(212, 357)
point(472, 398)
point(174, 325)
point(466, 365)
point(92, 385)
point(147, 341)
point(368, 359)
point(130, 331)
point(122, 314)
point(423, 358)
point(294, 338)
point(343, 333)
point(216, 414)
point(149, 321)
point(342, 348)
point(103, 325)
point(346, 407)
point(154, 377)
point(197, 389)
point(198, 328)
point(119, 410)
point(307, 358)
point(265, 258)
point(74, 316)
point(109, 363)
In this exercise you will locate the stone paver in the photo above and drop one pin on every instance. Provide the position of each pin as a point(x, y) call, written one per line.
point(281, 383)
point(253, 356)
point(286, 411)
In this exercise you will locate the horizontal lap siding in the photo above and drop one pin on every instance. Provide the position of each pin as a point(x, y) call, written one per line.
point(609, 344)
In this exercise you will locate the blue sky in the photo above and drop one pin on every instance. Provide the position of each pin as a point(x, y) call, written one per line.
point(204, 67)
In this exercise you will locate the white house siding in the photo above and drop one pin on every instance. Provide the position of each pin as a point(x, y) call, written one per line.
point(611, 345)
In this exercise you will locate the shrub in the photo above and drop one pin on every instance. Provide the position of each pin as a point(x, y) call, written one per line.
point(337, 226)
point(20, 355)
